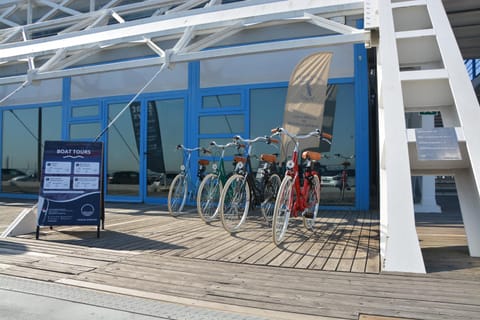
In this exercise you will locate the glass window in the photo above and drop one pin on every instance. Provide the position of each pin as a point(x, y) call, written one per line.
point(123, 151)
point(266, 112)
point(229, 124)
point(85, 111)
point(24, 132)
point(221, 101)
point(337, 166)
point(165, 130)
point(80, 131)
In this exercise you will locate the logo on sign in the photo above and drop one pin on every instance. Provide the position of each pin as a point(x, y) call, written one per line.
point(87, 210)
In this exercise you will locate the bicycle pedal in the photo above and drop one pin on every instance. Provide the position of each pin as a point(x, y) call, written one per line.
point(308, 215)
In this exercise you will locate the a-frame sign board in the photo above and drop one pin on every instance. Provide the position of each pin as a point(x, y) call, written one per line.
point(71, 190)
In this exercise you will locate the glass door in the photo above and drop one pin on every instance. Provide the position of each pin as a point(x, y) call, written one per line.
point(123, 155)
point(164, 131)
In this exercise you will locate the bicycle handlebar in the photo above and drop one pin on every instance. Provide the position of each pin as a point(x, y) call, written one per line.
point(316, 133)
point(181, 146)
point(222, 146)
point(266, 139)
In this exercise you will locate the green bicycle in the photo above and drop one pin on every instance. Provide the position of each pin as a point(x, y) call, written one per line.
point(209, 191)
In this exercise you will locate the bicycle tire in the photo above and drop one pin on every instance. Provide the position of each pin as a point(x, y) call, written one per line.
point(177, 195)
point(270, 195)
point(313, 200)
point(282, 210)
point(208, 197)
point(234, 203)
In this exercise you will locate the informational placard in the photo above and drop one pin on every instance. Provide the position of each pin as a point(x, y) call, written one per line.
point(71, 191)
point(437, 144)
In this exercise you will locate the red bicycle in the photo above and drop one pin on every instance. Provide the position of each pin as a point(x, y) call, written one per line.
point(299, 194)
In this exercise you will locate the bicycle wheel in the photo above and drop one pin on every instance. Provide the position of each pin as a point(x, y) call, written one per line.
point(208, 197)
point(269, 196)
point(282, 210)
point(177, 195)
point(234, 202)
point(313, 200)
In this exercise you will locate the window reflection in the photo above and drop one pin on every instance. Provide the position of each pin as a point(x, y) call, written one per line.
point(221, 101)
point(24, 132)
point(85, 111)
point(337, 167)
point(222, 124)
point(123, 159)
point(84, 131)
point(165, 130)
point(266, 112)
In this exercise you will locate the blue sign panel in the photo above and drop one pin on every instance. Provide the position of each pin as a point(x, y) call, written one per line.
point(71, 191)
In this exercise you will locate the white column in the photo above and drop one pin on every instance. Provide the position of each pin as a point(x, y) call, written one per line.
point(399, 245)
point(469, 199)
point(428, 202)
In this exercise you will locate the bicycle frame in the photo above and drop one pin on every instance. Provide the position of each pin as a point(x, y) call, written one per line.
point(210, 189)
point(298, 201)
point(241, 192)
point(182, 190)
point(192, 186)
point(219, 169)
point(246, 170)
point(294, 196)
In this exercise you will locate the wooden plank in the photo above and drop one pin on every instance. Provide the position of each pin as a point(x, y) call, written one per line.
point(239, 294)
point(317, 254)
point(263, 239)
point(307, 279)
point(346, 262)
point(292, 247)
point(373, 255)
point(360, 262)
point(30, 273)
point(202, 247)
point(264, 313)
point(269, 250)
point(342, 239)
point(301, 251)
point(241, 241)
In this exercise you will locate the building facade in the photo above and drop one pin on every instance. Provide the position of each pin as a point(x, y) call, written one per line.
point(189, 103)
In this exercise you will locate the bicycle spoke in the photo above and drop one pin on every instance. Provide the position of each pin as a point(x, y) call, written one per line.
point(208, 197)
point(282, 210)
point(270, 196)
point(235, 203)
point(177, 195)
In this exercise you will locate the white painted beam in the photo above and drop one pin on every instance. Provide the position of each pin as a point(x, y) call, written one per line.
point(8, 22)
point(186, 6)
point(331, 25)
point(59, 7)
point(6, 13)
point(11, 34)
point(53, 11)
point(215, 37)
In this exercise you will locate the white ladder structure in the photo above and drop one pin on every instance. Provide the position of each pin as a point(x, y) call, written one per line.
point(420, 68)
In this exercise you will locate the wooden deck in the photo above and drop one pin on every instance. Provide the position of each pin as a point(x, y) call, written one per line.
point(330, 274)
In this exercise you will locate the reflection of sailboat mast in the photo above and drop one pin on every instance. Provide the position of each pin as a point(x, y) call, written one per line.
point(125, 142)
point(225, 116)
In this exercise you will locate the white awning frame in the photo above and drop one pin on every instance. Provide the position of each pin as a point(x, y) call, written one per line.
point(60, 55)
